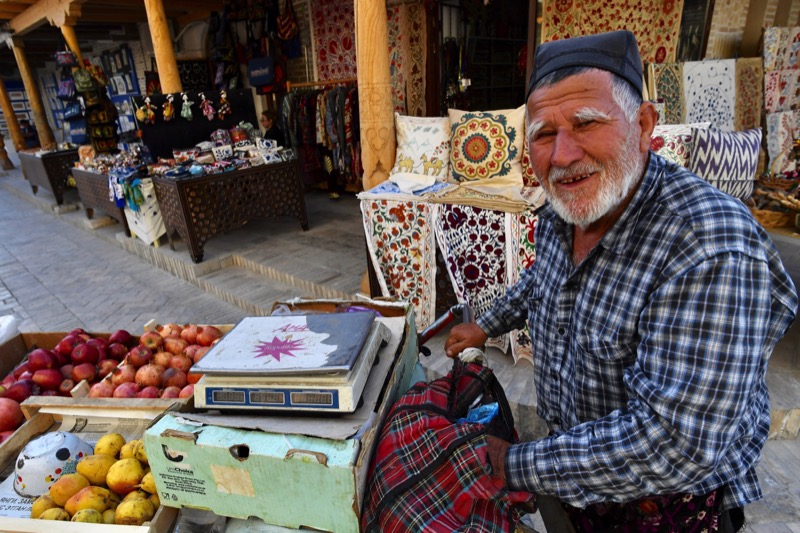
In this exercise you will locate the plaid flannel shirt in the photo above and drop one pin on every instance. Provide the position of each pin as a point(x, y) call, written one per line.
point(650, 356)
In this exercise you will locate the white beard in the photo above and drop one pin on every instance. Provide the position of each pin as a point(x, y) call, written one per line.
point(617, 179)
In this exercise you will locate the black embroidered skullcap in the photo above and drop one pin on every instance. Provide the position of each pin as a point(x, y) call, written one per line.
point(615, 51)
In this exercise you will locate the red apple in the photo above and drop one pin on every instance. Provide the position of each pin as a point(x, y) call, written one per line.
point(67, 344)
point(78, 331)
point(20, 391)
point(101, 345)
point(85, 353)
point(84, 371)
point(21, 368)
point(4, 435)
point(193, 377)
point(8, 380)
point(152, 340)
point(101, 389)
point(2, 391)
point(207, 335)
point(48, 378)
point(66, 370)
point(122, 336)
point(10, 415)
point(48, 393)
point(105, 367)
point(41, 358)
point(117, 351)
point(65, 389)
point(126, 390)
point(187, 391)
point(140, 355)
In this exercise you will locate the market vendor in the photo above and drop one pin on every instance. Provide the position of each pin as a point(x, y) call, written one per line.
point(653, 306)
point(29, 133)
point(271, 129)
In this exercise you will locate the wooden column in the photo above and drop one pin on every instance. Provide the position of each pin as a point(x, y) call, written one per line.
point(46, 138)
point(374, 92)
point(72, 41)
point(162, 46)
point(11, 119)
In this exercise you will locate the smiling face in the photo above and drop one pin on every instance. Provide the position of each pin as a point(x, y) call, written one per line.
point(589, 156)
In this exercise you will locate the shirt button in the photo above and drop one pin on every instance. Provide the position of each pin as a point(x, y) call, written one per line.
point(561, 331)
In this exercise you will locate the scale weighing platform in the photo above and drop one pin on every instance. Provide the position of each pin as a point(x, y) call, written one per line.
point(316, 362)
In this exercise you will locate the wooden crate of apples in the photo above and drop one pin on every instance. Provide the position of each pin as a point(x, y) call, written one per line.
point(155, 365)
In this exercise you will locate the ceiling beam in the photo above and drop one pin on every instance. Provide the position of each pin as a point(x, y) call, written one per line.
point(56, 12)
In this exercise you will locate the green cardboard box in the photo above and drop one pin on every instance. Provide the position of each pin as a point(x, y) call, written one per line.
point(291, 471)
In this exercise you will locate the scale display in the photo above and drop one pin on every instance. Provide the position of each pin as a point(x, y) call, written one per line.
point(289, 345)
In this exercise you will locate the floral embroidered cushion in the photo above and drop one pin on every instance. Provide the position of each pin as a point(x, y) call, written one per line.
point(486, 149)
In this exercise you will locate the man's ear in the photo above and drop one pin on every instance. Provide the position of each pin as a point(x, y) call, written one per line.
point(648, 118)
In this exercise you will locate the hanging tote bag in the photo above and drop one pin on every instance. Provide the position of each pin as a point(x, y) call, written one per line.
point(430, 471)
point(83, 80)
point(287, 22)
point(66, 89)
point(261, 71)
point(66, 58)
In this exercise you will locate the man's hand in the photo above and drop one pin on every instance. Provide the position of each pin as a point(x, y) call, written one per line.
point(463, 336)
point(497, 455)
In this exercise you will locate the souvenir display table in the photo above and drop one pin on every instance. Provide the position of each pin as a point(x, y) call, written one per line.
point(198, 208)
point(94, 193)
point(49, 170)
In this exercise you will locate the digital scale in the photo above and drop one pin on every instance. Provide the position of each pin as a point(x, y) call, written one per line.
point(315, 362)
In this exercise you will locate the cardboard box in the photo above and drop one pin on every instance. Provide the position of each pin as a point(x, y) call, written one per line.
point(62, 418)
point(304, 471)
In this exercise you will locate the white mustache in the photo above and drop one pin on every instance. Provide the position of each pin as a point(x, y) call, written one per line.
point(578, 169)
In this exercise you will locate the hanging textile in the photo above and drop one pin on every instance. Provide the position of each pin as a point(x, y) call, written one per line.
point(666, 80)
point(655, 26)
point(521, 253)
point(709, 91)
point(401, 245)
point(398, 51)
point(774, 47)
point(749, 93)
point(781, 131)
point(473, 243)
point(334, 38)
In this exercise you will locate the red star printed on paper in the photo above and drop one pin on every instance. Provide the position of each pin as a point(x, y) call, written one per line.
point(276, 347)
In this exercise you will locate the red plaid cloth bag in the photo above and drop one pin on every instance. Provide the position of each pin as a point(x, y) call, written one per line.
point(431, 471)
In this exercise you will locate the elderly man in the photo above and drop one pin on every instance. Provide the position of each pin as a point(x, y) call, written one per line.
point(653, 307)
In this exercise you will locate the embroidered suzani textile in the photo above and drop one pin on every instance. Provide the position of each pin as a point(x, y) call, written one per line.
point(334, 39)
point(402, 248)
point(655, 23)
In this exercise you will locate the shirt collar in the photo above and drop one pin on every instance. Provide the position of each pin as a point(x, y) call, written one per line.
point(620, 232)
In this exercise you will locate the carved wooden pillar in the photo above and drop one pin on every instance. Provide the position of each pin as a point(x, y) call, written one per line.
point(374, 92)
point(162, 46)
point(46, 138)
point(72, 41)
point(11, 119)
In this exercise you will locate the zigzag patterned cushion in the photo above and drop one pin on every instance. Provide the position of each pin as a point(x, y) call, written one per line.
point(727, 159)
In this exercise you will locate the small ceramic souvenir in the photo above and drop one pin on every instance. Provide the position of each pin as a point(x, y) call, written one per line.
point(145, 113)
point(186, 108)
